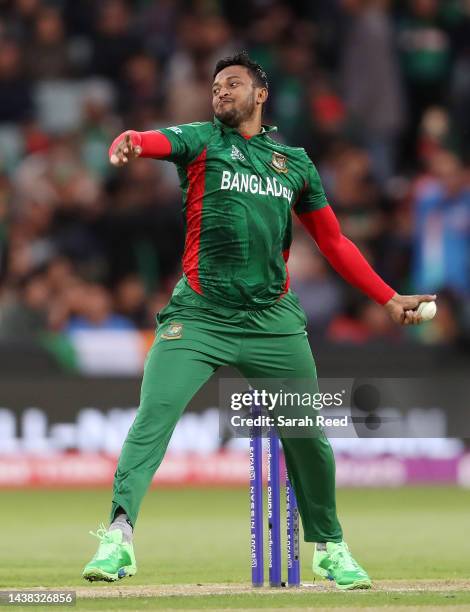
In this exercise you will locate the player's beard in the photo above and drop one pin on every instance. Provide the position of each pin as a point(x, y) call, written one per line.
point(234, 116)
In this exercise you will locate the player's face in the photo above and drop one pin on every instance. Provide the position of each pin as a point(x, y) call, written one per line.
point(234, 96)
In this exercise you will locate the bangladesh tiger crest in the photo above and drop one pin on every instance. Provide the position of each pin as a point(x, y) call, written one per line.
point(279, 163)
point(173, 331)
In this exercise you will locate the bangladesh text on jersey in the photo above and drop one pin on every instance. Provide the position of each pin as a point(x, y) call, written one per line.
point(238, 197)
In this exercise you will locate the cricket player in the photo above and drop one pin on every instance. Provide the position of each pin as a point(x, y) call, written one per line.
point(233, 305)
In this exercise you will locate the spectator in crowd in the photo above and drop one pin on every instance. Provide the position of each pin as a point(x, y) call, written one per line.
point(141, 84)
point(99, 124)
point(130, 301)
point(435, 134)
point(24, 312)
point(327, 114)
point(426, 51)
point(143, 226)
point(356, 197)
point(16, 103)
point(94, 312)
point(113, 41)
point(371, 82)
point(460, 78)
point(449, 327)
point(362, 322)
point(18, 18)
point(155, 23)
point(47, 52)
point(442, 227)
point(318, 290)
point(289, 107)
point(350, 80)
point(187, 98)
point(5, 203)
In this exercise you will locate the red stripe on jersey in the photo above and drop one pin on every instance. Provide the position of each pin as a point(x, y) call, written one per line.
point(285, 254)
point(196, 176)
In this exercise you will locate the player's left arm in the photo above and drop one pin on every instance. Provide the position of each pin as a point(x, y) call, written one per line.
point(322, 224)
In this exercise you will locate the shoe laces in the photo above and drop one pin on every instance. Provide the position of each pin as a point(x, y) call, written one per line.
point(107, 545)
point(341, 556)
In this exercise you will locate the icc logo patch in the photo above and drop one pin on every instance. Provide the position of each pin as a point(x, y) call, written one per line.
point(279, 162)
point(173, 331)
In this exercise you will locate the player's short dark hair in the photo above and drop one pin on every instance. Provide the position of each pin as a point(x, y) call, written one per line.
point(258, 75)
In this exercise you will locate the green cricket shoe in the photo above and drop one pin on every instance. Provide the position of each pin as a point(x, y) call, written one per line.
point(336, 563)
point(114, 558)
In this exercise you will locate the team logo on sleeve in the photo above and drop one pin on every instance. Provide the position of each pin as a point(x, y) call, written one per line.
point(173, 331)
point(279, 162)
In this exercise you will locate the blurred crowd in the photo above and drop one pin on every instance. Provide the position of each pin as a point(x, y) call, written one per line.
point(377, 92)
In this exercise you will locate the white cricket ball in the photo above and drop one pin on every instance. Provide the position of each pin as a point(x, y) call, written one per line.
point(427, 310)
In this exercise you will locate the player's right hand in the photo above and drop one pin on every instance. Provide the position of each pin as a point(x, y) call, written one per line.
point(125, 147)
point(403, 308)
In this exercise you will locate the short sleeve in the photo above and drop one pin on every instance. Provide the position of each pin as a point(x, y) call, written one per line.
point(187, 141)
point(313, 196)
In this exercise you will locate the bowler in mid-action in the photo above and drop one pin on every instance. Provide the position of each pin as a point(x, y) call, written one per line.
point(233, 305)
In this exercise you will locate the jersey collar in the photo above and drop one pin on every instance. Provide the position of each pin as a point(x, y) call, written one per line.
point(265, 129)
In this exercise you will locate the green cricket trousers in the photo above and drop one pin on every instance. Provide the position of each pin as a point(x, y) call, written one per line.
point(195, 337)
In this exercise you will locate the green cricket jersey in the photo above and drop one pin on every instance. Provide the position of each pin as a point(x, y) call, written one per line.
point(238, 197)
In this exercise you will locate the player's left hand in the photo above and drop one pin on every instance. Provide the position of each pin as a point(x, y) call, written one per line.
point(402, 308)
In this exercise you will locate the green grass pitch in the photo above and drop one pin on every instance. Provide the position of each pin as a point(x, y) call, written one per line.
point(415, 537)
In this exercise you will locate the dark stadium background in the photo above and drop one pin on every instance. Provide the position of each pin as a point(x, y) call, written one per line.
point(377, 92)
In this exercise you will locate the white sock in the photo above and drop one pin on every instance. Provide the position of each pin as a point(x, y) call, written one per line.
point(122, 522)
